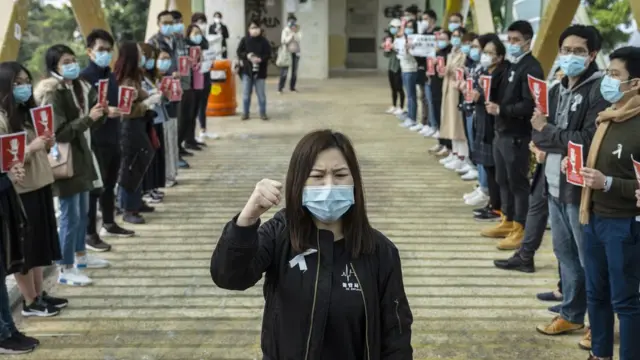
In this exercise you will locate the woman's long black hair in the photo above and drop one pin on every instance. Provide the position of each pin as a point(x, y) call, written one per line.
point(51, 60)
point(15, 112)
point(128, 63)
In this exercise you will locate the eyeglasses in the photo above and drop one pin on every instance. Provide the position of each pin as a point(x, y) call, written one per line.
point(575, 51)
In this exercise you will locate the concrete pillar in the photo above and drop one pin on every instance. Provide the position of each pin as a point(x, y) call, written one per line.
point(337, 34)
point(557, 16)
point(13, 23)
point(439, 6)
point(233, 16)
point(483, 17)
point(313, 18)
point(155, 7)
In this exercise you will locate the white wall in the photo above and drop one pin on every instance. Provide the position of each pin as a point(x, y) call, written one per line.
point(383, 22)
point(233, 16)
point(313, 17)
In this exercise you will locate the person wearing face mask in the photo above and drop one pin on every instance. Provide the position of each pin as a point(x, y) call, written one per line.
point(352, 284)
point(468, 171)
point(200, 86)
point(409, 68)
point(290, 42)
point(394, 73)
point(219, 28)
point(105, 138)
point(513, 128)
point(170, 126)
point(75, 111)
point(429, 20)
point(455, 22)
point(254, 50)
point(609, 212)
point(573, 108)
point(414, 17)
point(435, 83)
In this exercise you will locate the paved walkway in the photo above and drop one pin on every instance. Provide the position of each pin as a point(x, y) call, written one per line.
point(158, 301)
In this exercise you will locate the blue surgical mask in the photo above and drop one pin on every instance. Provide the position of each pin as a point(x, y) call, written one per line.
point(150, 64)
point(474, 54)
point(465, 49)
point(393, 31)
point(442, 44)
point(292, 23)
point(178, 28)
point(70, 71)
point(408, 31)
point(143, 60)
point(166, 30)
point(196, 39)
point(514, 50)
point(103, 58)
point(456, 41)
point(573, 65)
point(328, 203)
point(22, 93)
point(453, 26)
point(610, 89)
point(163, 65)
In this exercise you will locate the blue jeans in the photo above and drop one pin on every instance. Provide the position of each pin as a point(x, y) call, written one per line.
point(469, 124)
point(130, 201)
point(433, 122)
point(73, 226)
point(409, 80)
point(7, 326)
point(248, 83)
point(295, 58)
point(483, 177)
point(568, 248)
point(612, 264)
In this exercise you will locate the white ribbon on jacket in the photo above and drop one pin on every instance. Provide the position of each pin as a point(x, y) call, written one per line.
point(299, 260)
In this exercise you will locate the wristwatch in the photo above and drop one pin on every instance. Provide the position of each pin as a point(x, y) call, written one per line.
point(607, 184)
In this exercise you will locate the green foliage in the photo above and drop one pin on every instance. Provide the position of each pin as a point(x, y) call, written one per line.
point(607, 15)
point(128, 18)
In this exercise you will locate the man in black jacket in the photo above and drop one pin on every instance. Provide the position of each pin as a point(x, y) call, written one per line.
point(513, 134)
point(105, 142)
point(574, 105)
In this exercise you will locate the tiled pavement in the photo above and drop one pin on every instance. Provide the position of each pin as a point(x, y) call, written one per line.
point(158, 301)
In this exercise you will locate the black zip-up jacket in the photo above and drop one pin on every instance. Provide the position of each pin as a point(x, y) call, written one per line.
point(586, 103)
point(106, 135)
point(297, 302)
point(516, 107)
point(498, 85)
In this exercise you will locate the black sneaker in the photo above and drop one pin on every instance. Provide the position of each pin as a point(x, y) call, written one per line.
point(28, 339)
point(59, 303)
point(119, 211)
point(157, 193)
point(481, 210)
point(194, 147)
point(487, 216)
point(244, 117)
point(39, 308)
point(264, 117)
point(16, 345)
point(146, 208)
point(113, 230)
point(132, 218)
point(94, 243)
point(516, 263)
point(184, 152)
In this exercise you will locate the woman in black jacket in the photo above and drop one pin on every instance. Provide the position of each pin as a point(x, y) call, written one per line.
point(333, 284)
point(435, 82)
point(254, 51)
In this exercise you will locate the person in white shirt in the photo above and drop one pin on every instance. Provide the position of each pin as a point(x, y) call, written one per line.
point(290, 40)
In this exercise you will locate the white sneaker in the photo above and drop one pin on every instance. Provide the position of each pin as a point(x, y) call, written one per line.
point(436, 135)
point(416, 127)
point(201, 138)
point(408, 123)
point(391, 110)
point(435, 148)
point(470, 176)
point(466, 167)
point(429, 132)
point(480, 200)
point(449, 157)
point(398, 111)
point(443, 151)
point(212, 136)
point(90, 262)
point(73, 277)
point(470, 194)
point(454, 164)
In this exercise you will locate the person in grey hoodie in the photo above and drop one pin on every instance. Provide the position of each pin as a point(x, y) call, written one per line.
point(573, 107)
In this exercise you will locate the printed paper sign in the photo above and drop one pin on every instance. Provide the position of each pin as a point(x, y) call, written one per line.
point(103, 88)
point(183, 65)
point(125, 99)
point(42, 118)
point(485, 83)
point(194, 53)
point(176, 90)
point(460, 74)
point(431, 66)
point(165, 84)
point(636, 167)
point(574, 165)
point(540, 94)
point(469, 91)
point(422, 45)
point(441, 65)
point(13, 148)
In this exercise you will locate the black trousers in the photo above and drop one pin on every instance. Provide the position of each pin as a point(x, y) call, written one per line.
point(109, 161)
point(397, 91)
point(494, 189)
point(537, 217)
point(187, 112)
point(511, 155)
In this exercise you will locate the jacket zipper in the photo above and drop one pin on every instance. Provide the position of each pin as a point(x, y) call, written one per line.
point(398, 315)
point(315, 296)
point(366, 314)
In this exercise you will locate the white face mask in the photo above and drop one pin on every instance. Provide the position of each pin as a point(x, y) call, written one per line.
point(217, 20)
point(422, 26)
point(486, 61)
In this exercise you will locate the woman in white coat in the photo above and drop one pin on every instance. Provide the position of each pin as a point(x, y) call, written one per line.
point(289, 53)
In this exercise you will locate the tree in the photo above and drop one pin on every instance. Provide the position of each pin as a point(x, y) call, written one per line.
point(607, 16)
point(128, 18)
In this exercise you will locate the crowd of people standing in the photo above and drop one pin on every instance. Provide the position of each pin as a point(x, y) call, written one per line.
point(498, 136)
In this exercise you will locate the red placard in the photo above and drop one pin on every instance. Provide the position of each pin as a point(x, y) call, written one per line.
point(459, 74)
point(194, 53)
point(485, 83)
point(103, 87)
point(431, 66)
point(13, 146)
point(165, 84)
point(176, 90)
point(183, 65)
point(540, 94)
point(42, 119)
point(440, 65)
point(575, 164)
point(125, 99)
point(636, 167)
point(469, 91)
point(388, 44)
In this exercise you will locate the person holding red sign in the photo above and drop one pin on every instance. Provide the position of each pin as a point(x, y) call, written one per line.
point(75, 111)
point(435, 83)
point(40, 243)
point(393, 71)
point(609, 212)
point(201, 84)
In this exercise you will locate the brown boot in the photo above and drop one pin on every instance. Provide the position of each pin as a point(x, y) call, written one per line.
point(559, 326)
point(585, 342)
point(503, 229)
point(514, 240)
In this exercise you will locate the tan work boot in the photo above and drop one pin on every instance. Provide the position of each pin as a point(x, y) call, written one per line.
point(559, 326)
point(514, 239)
point(503, 229)
point(585, 342)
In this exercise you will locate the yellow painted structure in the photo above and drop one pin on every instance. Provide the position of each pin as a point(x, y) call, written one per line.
point(557, 16)
point(453, 6)
point(482, 16)
point(13, 23)
point(184, 6)
point(635, 8)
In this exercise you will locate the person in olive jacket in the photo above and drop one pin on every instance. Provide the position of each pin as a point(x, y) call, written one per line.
point(75, 111)
point(333, 284)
